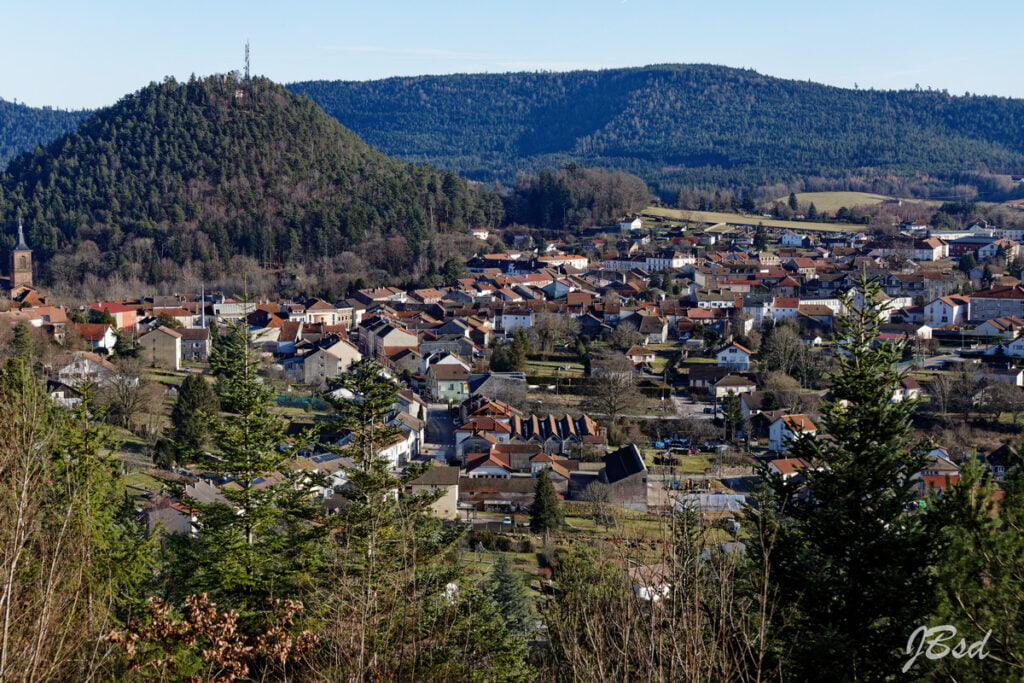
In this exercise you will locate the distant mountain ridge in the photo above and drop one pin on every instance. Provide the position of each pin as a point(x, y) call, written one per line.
point(23, 127)
point(675, 124)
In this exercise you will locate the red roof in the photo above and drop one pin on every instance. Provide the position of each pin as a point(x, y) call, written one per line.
point(93, 332)
point(112, 308)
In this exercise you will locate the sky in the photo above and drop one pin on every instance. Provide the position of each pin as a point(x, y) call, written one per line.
point(84, 55)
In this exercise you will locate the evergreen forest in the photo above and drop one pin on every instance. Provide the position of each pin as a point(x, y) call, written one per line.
point(678, 125)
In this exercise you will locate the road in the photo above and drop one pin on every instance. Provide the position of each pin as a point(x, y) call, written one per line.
point(687, 408)
point(440, 431)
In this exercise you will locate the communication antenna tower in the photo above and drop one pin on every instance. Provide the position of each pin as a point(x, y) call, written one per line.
point(246, 60)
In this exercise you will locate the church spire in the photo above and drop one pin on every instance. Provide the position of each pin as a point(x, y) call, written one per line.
point(21, 246)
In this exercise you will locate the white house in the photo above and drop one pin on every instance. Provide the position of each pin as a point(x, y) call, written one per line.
point(787, 468)
point(908, 390)
point(993, 249)
point(634, 225)
point(1007, 327)
point(487, 466)
point(734, 356)
point(786, 428)
point(514, 318)
point(791, 239)
point(785, 307)
point(948, 310)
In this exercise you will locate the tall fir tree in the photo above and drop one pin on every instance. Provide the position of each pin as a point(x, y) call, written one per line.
point(191, 418)
point(508, 593)
point(398, 606)
point(980, 568)
point(852, 566)
point(545, 512)
point(267, 536)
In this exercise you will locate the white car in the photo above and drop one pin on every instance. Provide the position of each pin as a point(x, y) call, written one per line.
point(507, 520)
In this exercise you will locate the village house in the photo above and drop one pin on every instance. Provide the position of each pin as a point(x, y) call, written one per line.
point(734, 356)
point(443, 479)
point(786, 428)
point(100, 336)
point(161, 348)
point(954, 309)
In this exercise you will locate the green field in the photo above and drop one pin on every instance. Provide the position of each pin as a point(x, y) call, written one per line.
point(722, 221)
point(833, 201)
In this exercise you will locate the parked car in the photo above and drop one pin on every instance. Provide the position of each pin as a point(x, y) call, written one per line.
point(507, 520)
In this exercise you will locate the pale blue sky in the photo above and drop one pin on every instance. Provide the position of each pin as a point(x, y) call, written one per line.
point(77, 54)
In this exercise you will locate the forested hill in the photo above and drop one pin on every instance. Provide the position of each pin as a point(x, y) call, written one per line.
point(204, 170)
point(23, 127)
point(675, 124)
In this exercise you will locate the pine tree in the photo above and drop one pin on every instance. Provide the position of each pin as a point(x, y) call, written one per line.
point(24, 345)
point(398, 609)
point(507, 591)
point(760, 237)
point(545, 512)
point(193, 412)
point(852, 567)
point(979, 561)
point(268, 536)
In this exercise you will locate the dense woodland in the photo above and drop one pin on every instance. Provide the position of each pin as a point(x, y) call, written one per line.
point(676, 125)
point(23, 127)
point(178, 179)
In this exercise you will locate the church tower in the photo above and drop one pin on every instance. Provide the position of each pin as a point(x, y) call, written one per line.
point(21, 262)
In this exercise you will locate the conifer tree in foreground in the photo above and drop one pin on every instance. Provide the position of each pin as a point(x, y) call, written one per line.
point(397, 606)
point(981, 571)
point(510, 596)
point(545, 512)
point(851, 566)
point(267, 539)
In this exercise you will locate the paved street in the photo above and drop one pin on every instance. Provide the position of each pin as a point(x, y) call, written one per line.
point(440, 430)
point(687, 408)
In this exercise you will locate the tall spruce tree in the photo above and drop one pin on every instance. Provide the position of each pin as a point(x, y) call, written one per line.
point(399, 607)
point(545, 512)
point(508, 593)
point(851, 566)
point(266, 537)
point(980, 563)
point(192, 416)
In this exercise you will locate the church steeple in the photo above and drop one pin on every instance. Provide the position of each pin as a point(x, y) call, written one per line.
point(21, 246)
point(21, 262)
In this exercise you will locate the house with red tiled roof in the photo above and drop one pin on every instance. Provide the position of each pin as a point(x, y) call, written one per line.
point(487, 466)
point(734, 356)
point(786, 428)
point(125, 317)
point(994, 302)
point(100, 336)
point(161, 348)
point(639, 354)
point(787, 468)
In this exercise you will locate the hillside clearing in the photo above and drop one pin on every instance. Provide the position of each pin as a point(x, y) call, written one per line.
point(727, 219)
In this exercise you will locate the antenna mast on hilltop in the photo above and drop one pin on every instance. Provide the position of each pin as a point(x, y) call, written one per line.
point(246, 60)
